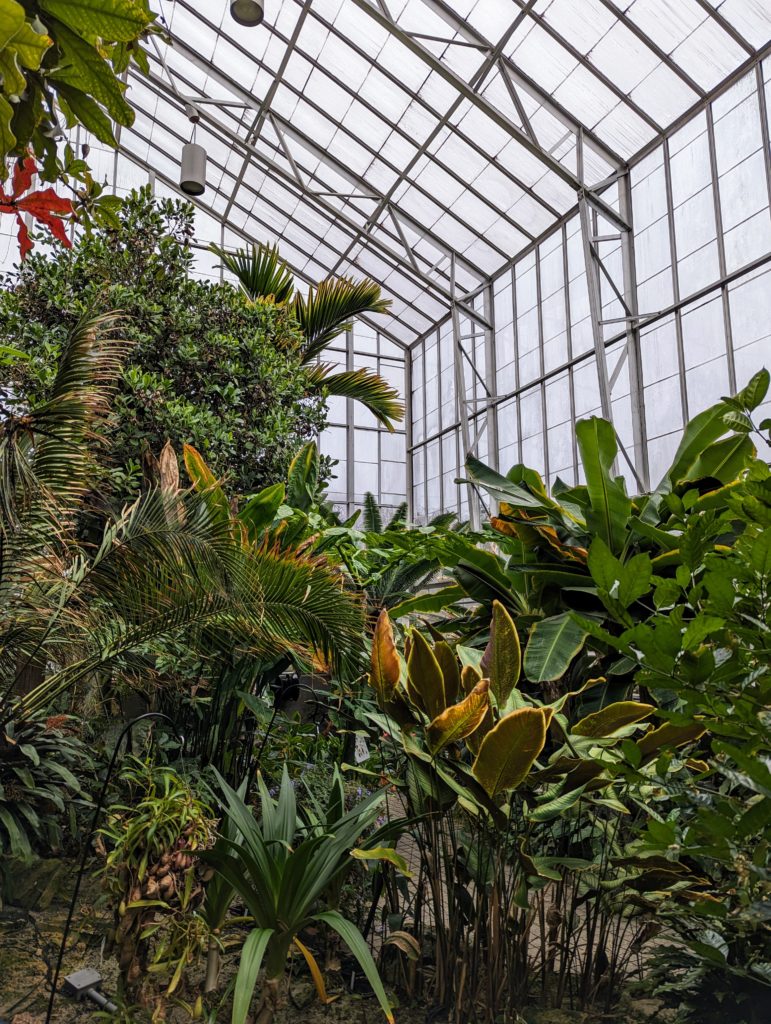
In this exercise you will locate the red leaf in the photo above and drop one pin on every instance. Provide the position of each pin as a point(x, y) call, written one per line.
point(45, 203)
point(25, 242)
point(23, 172)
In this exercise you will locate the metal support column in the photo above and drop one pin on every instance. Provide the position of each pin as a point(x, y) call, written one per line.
point(461, 399)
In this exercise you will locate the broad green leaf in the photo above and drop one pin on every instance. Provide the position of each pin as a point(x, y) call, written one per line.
point(554, 808)
point(12, 17)
point(303, 477)
point(611, 718)
point(460, 720)
point(760, 553)
point(502, 661)
point(385, 668)
point(424, 676)
point(14, 82)
point(757, 389)
point(117, 21)
point(724, 460)
point(7, 138)
point(610, 505)
point(605, 568)
point(383, 853)
point(500, 488)
point(635, 579)
point(508, 751)
point(252, 956)
point(260, 510)
point(89, 113)
point(426, 604)
point(352, 937)
point(30, 46)
point(701, 432)
point(83, 67)
point(553, 644)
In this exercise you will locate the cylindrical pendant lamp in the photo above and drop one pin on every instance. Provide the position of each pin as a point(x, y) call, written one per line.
point(247, 12)
point(192, 179)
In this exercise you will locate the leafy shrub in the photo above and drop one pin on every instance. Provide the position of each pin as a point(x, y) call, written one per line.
point(206, 366)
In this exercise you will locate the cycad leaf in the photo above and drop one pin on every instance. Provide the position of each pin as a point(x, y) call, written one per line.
point(508, 751)
point(373, 521)
point(613, 717)
point(385, 669)
point(460, 720)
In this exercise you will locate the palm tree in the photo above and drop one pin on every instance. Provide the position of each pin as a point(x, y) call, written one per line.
point(167, 569)
point(327, 312)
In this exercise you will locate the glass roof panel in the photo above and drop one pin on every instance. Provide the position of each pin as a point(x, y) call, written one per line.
point(388, 138)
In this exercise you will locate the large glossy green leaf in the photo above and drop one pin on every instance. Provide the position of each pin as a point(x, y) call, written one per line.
point(84, 68)
point(12, 17)
point(724, 460)
point(610, 506)
point(500, 488)
point(701, 432)
point(508, 751)
point(117, 21)
point(89, 113)
point(252, 955)
point(553, 644)
point(428, 603)
point(260, 510)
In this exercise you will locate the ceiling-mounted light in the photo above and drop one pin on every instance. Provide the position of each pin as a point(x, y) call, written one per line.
point(247, 12)
point(192, 174)
point(192, 178)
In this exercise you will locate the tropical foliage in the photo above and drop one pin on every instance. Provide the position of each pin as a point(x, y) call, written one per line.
point(328, 310)
point(203, 368)
point(75, 53)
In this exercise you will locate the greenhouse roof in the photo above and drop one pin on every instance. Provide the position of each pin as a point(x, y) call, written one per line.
point(423, 143)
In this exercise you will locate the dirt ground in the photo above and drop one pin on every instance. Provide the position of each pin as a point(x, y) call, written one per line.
point(32, 920)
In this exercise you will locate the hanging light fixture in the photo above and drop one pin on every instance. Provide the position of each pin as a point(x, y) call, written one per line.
point(192, 176)
point(247, 12)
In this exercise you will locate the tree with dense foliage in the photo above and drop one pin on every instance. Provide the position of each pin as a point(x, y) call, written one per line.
point(205, 367)
point(324, 314)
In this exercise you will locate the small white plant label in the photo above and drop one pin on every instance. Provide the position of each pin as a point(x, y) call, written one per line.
point(360, 750)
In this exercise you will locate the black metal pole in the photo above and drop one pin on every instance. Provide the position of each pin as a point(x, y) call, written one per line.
point(87, 844)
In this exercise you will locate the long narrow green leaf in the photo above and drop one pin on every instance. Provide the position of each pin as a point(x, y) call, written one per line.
point(252, 956)
point(352, 937)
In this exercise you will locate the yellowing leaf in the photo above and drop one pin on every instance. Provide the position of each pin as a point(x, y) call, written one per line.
point(459, 721)
point(318, 978)
point(448, 663)
point(385, 853)
point(508, 751)
point(502, 660)
point(669, 735)
point(405, 942)
point(613, 717)
point(424, 677)
point(469, 678)
point(385, 670)
point(204, 481)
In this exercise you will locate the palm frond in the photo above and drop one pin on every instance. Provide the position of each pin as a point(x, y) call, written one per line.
point(373, 521)
point(363, 386)
point(260, 271)
point(330, 309)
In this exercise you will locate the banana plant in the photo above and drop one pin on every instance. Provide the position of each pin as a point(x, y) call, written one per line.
point(329, 309)
point(281, 867)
